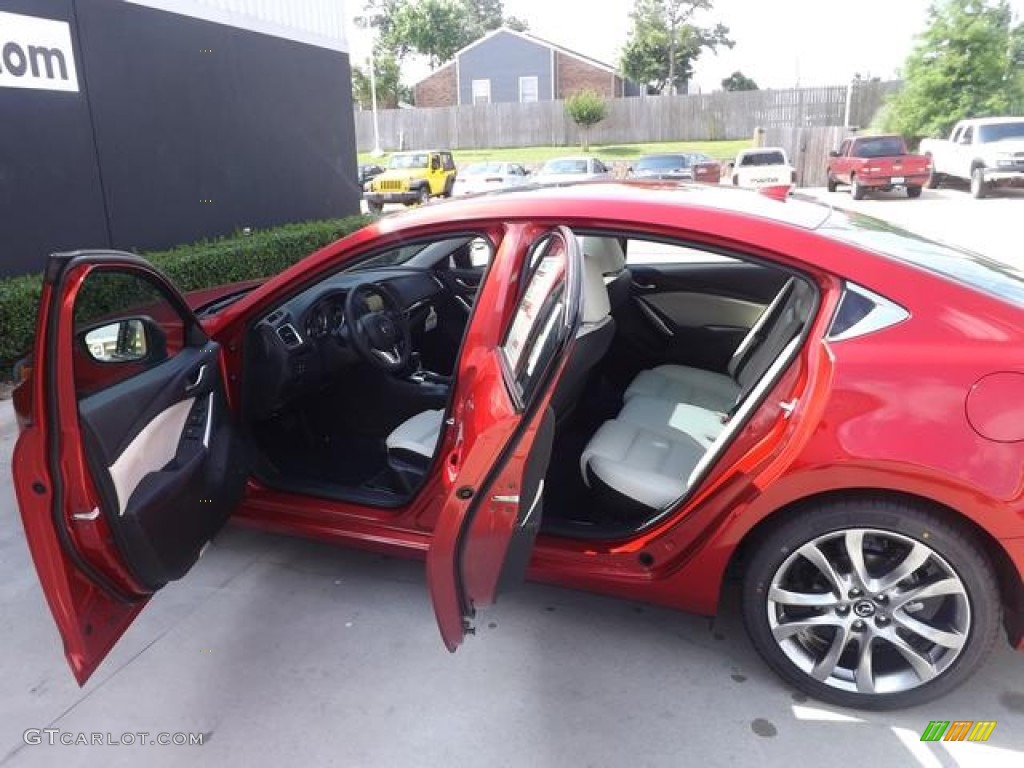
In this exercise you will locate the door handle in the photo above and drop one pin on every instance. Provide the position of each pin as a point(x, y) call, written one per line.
point(197, 381)
point(643, 287)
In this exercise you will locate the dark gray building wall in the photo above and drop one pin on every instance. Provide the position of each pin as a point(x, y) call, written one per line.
point(262, 127)
point(503, 59)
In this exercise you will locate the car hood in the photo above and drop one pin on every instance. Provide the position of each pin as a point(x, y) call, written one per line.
point(401, 174)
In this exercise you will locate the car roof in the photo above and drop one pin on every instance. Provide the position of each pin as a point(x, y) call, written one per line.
point(758, 150)
point(625, 200)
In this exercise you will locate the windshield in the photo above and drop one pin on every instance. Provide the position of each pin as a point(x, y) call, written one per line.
point(662, 163)
point(883, 146)
point(478, 169)
point(408, 161)
point(1000, 132)
point(974, 270)
point(392, 258)
point(763, 158)
point(565, 166)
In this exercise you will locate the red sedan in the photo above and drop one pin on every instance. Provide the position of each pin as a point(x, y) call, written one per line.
point(627, 388)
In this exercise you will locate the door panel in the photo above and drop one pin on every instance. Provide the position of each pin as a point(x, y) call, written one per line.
point(131, 461)
point(692, 314)
point(501, 431)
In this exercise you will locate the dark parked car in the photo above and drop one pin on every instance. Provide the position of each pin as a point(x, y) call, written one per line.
point(679, 166)
point(367, 172)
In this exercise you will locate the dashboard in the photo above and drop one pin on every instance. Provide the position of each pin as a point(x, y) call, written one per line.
point(303, 344)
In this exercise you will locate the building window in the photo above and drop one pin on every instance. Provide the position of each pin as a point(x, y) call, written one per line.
point(528, 89)
point(481, 92)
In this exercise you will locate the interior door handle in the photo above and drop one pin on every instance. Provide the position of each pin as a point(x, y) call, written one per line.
point(643, 287)
point(196, 382)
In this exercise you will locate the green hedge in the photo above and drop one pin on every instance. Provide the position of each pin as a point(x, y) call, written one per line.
point(262, 253)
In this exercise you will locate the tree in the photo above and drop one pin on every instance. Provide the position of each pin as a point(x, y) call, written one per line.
point(663, 44)
point(390, 91)
point(436, 29)
point(586, 108)
point(432, 28)
point(737, 81)
point(967, 63)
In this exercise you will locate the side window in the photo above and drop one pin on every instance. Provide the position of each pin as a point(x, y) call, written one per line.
point(449, 163)
point(968, 135)
point(653, 254)
point(844, 148)
point(481, 92)
point(538, 325)
point(124, 324)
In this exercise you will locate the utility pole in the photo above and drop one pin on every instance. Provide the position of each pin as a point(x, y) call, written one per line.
point(377, 151)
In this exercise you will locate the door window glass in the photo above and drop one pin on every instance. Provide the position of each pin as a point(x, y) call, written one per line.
point(540, 320)
point(124, 324)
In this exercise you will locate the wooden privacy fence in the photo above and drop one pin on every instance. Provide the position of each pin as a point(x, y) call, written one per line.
point(808, 149)
point(647, 119)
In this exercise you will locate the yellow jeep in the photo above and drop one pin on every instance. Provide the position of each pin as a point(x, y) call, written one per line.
point(411, 177)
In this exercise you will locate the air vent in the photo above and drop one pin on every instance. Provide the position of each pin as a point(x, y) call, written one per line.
point(289, 336)
point(275, 317)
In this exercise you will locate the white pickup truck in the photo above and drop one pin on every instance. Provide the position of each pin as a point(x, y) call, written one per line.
point(763, 167)
point(987, 151)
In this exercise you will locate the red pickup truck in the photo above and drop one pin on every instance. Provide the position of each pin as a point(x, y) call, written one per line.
point(877, 162)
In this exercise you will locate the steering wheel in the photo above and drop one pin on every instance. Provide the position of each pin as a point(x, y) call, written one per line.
point(378, 327)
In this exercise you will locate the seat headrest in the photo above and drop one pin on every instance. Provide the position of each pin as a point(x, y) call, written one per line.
point(606, 251)
point(596, 306)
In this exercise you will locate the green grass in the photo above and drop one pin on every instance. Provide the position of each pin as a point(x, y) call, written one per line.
point(722, 150)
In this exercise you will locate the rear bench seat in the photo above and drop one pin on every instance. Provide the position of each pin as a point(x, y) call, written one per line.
point(674, 414)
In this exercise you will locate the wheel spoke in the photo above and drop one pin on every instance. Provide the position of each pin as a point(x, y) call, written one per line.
point(816, 557)
point(826, 665)
point(790, 628)
point(854, 542)
point(941, 588)
point(921, 664)
point(917, 557)
point(865, 667)
point(802, 599)
point(932, 634)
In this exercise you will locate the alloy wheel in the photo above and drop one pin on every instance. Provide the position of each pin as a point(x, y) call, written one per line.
point(868, 611)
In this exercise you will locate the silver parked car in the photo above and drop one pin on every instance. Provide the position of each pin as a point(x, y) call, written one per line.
point(487, 176)
point(565, 169)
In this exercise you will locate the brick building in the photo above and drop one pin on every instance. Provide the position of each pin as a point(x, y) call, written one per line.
point(510, 66)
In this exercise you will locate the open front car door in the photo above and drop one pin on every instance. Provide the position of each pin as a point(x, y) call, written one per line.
point(501, 429)
point(131, 462)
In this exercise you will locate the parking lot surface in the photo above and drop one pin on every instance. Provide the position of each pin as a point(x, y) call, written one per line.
point(283, 652)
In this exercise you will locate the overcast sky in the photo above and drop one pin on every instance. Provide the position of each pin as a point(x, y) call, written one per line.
point(777, 41)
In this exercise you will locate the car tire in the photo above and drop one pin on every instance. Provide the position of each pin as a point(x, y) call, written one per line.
point(374, 207)
point(979, 188)
point(913, 192)
point(934, 177)
point(424, 195)
point(449, 187)
point(789, 579)
point(857, 190)
point(832, 184)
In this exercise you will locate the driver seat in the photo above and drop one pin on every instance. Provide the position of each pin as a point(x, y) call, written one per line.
point(412, 443)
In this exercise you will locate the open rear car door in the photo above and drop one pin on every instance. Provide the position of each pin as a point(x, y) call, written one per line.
point(501, 429)
point(131, 462)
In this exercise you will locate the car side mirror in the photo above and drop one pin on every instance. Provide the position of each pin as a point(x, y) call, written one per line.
point(128, 340)
point(834, 153)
